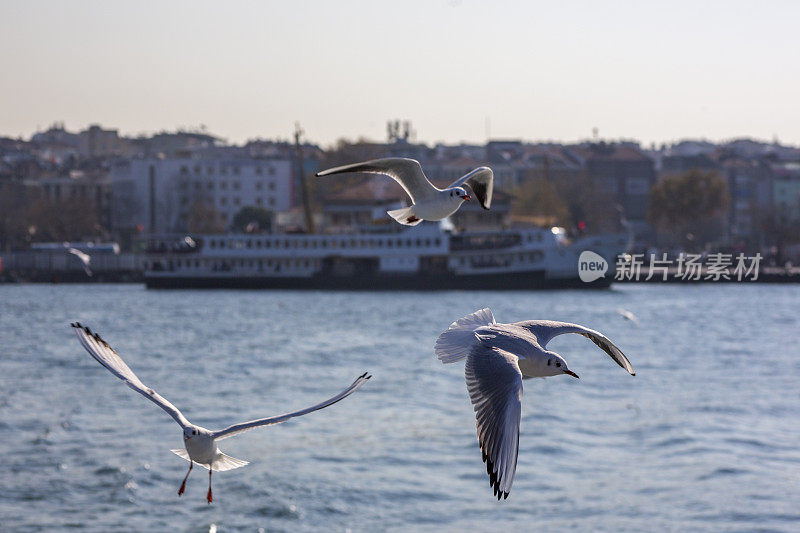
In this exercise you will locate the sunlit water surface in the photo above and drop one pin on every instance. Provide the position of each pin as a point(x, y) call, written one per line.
point(706, 437)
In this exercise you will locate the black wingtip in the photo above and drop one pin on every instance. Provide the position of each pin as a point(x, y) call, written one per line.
point(316, 174)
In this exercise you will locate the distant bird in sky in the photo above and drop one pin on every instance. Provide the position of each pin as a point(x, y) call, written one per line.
point(85, 259)
point(627, 315)
point(200, 444)
point(427, 201)
point(499, 357)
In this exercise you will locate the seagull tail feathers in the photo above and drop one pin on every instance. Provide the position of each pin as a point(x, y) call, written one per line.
point(221, 463)
point(405, 216)
point(455, 343)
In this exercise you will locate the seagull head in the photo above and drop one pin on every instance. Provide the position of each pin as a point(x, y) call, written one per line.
point(459, 192)
point(556, 365)
point(189, 433)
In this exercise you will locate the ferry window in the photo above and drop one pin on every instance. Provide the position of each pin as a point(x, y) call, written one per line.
point(427, 242)
point(236, 170)
point(271, 171)
point(184, 170)
point(259, 185)
point(197, 169)
point(236, 185)
point(258, 170)
point(212, 243)
point(260, 264)
point(250, 263)
point(305, 263)
point(223, 185)
point(249, 244)
point(305, 244)
point(210, 185)
point(259, 201)
point(197, 185)
point(258, 244)
point(223, 201)
point(389, 243)
point(380, 243)
point(236, 201)
point(223, 170)
point(353, 243)
point(324, 244)
point(344, 244)
point(223, 216)
point(272, 185)
point(419, 242)
point(437, 242)
point(286, 243)
point(209, 170)
point(272, 201)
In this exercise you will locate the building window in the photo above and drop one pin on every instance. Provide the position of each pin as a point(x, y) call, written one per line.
point(272, 201)
point(258, 170)
point(223, 201)
point(223, 185)
point(209, 170)
point(259, 185)
point(272, 185)
point(259, 202)
point(271, 171)
point(210, 185)
point(236, 171)
point(236, 185)
point(236, 201)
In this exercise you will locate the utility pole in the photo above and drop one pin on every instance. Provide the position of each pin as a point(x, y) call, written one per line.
point(298, 131)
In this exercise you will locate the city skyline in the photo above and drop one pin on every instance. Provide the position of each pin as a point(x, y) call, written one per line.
point(459, 71)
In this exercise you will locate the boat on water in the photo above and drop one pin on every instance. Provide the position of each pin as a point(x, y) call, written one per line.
point(425, 257)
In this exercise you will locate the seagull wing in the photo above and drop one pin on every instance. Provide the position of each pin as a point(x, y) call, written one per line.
point(406, 172)
point(494, 383)
point(545, 330)
point(244, 426)
point(106, 356)
point(481, 181)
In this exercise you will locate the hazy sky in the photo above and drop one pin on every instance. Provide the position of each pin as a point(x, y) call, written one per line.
point(535, 71)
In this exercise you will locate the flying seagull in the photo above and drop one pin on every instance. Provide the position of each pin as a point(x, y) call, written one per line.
point(200, 444)
point(499, 357)
point(427, 201)
point(84, 258)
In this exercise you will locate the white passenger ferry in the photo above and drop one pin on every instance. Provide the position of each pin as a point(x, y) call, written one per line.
point(424, 257)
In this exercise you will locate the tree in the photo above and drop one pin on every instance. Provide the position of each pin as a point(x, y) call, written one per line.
point(203, 218)
point(689, 206)
point(251, 219)
point(63, 220)
point(539, 197)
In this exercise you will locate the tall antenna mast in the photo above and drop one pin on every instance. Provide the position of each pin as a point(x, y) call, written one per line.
point(298, 148)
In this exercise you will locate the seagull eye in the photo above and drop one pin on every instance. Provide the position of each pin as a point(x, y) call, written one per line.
point(558, 365)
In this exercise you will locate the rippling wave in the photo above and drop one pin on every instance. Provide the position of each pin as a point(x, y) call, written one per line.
point(706, 437)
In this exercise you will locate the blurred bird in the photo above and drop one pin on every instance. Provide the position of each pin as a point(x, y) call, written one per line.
point(427, 201)
point(85, 259)
point(200, 444)
point(499, 357)
point(627, 315)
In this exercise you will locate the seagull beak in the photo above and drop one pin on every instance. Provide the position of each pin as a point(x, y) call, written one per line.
point(467, 197)
point(571, 373)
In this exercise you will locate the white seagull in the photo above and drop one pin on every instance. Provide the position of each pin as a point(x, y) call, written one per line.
point(427, 201)
point(200, 443)
point(84, 258)
point(499, 357)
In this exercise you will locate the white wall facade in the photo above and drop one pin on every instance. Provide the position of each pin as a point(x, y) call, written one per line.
point(158, 194)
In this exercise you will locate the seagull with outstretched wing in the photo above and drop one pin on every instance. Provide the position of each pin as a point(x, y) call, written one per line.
point(428, 202)
point(200, 444)
point(499, 357)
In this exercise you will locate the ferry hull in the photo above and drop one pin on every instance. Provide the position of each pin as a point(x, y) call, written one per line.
point(418, 282)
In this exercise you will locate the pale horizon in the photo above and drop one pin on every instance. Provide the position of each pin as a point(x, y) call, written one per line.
point(652, 74)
